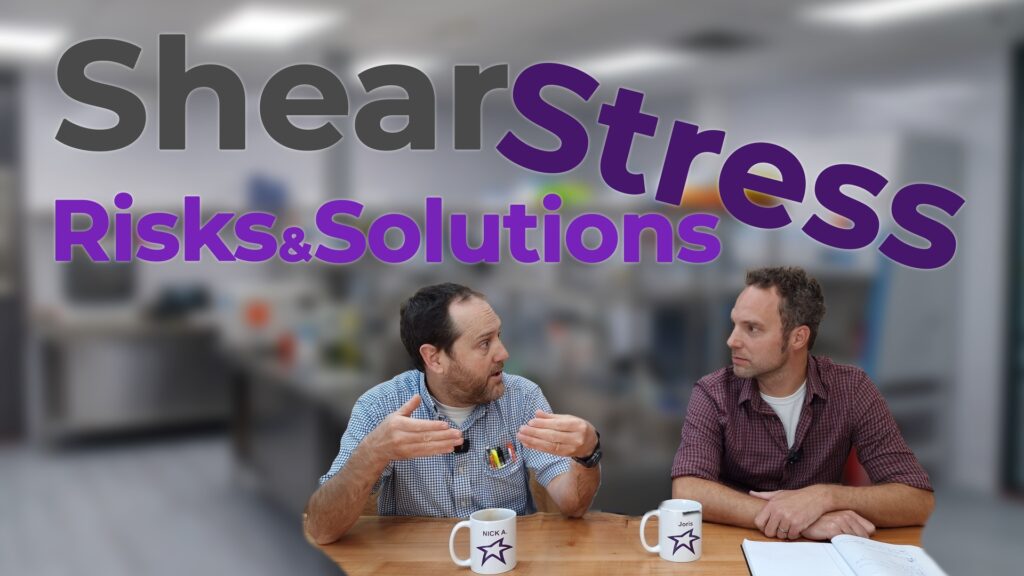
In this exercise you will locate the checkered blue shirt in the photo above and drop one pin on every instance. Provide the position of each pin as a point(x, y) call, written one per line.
point(454, 485)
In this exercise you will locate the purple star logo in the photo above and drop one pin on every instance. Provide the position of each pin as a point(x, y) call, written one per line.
point(490, 553)
point(678, 541)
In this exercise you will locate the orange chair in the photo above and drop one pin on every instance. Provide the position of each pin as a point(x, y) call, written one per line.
point(853, 473)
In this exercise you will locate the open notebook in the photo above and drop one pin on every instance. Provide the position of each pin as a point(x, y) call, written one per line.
point(845, 556)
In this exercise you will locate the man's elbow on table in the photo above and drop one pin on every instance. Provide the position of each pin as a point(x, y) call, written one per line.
point(312, 527)
point(575, 512)
point(322, 539)
point(930, 505)
point(317, 524)
point(320, 535)
point(573, 493)
point(927, 499)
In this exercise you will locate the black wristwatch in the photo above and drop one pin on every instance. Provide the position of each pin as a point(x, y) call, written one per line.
point(595, 458)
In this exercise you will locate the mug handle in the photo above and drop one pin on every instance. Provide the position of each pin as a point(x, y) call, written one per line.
point(451, 545)
point(643, 538)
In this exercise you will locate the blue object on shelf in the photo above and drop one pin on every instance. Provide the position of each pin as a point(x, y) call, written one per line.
point(267, 194)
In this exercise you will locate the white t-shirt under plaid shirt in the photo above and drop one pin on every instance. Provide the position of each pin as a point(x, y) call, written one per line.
point(454, 485)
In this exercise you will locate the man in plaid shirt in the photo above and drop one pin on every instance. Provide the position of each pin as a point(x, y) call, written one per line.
point(765, 439)
point(457, 434)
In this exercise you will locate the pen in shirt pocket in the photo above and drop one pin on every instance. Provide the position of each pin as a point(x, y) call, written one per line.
point(499, 457)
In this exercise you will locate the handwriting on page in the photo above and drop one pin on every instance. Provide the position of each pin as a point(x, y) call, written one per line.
point(869, 558)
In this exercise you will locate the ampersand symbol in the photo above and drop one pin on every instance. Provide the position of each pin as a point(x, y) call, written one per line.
point(293, 249)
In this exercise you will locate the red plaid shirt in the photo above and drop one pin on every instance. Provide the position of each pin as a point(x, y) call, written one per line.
point(731, 435)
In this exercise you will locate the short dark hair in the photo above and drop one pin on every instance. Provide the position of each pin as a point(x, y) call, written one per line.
point(801, 301)
point(425, 318)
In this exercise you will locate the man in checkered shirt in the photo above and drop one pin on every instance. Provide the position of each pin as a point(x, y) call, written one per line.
point(765, 439)
point(456, 434)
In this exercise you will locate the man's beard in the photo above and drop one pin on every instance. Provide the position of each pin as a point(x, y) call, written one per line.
point(470, 389)
point(755, 372)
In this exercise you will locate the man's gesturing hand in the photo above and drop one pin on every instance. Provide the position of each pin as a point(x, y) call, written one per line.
point(401, 437)
point(789, 512)
point(559, 434)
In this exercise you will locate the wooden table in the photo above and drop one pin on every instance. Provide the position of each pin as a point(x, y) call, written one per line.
point(548, 544)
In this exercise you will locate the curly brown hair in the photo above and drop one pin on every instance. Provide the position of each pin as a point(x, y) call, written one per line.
point(801, 301)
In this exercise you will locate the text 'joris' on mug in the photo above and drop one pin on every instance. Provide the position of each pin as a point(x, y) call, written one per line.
point(492, 541)
point(679, 530)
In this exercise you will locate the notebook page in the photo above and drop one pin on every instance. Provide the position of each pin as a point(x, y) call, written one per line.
point(871, 558)
point(794, 559)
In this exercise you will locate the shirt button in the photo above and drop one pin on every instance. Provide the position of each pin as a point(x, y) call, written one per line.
point(465, 501)
point(462, 469)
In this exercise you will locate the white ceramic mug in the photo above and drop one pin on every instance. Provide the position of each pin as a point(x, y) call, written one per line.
point(679, 530)
point(492, 541)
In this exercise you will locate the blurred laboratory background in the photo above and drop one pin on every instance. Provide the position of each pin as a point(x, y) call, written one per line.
point(173, 418)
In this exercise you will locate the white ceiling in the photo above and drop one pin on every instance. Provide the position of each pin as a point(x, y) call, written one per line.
point(524, 31)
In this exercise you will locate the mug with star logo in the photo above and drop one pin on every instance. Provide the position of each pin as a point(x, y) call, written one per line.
point(679, 530)
point(492, 541)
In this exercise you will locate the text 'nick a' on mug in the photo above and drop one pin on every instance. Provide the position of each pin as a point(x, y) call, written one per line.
point(679, 530)
point(492, 541)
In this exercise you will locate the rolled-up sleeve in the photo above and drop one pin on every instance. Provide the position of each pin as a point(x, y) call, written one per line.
point(881, 449)
point(700, 444)
point(365, 418)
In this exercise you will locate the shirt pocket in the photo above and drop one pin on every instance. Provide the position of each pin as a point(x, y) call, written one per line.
point(507, 486)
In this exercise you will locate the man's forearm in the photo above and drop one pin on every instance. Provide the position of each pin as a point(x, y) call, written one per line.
point(574, 491)
point(719, 503)
point(336, 505)
point(885, 505)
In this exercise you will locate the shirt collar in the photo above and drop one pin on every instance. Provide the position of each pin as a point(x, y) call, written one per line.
point(428, 400)
point(814, 385)
point(749, 392)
